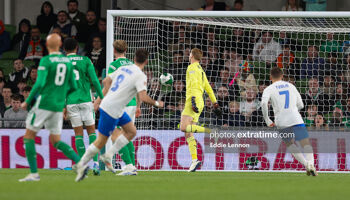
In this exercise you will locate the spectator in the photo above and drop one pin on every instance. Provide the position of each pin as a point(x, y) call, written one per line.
point(330, 45)
point(21, 85)
point(177, 94)
point(100, 33)
point(35, 48)
point(26, 91)
point(213, 5)
point(314, 96)
point(20, 72)
point(292, 5)
point(319, 122)
point(75, 16)
point(262, 85)
point(223, 98)
point(328, 86)
point(47, 18)
point(338, 119)
point(249, 105)
point(22, 35)
point(98, 55)
point(315, 5)
point(347, 109)
point(6, 93)
point(339, 99)
point(246, 80)
point(235, 118)
point(5, 39)
point(33, 75)
point(88, 28)
point(224, 78)
point(290, 79)
point(312, 65)
point(68, 29)
point(238, 5)
point(232, 64)
point(2, 104)
point(311, 113)
point(15, 113)
point(286, 61)
point(284, 40)
point(332, 66)
point(177, 68)
point(240, 43)
point(266, 49)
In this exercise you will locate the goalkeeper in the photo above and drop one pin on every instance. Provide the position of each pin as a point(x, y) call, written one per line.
point(196, 83)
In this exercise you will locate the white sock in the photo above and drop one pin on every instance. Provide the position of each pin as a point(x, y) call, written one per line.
point(89, 154)
point(293, 149)
point(119, 143)
point(309, 154)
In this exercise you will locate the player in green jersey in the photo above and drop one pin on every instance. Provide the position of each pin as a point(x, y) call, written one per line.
point(80, 110)
point(55, 80)
point(133, 108)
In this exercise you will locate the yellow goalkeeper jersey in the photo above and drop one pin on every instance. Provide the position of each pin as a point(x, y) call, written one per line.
point(197, 82)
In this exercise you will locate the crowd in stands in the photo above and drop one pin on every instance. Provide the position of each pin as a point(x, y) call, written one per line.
point(237, 65)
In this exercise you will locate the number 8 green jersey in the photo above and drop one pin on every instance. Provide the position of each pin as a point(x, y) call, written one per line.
point(55, 80)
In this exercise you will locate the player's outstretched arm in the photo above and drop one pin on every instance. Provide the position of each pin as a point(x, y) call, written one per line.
point(265, 110)
point(106, 85)
point(212, 97)
point(143, 97)
point(94, 79)
point(40, 82)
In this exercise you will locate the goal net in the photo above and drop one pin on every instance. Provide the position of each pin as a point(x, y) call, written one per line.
point(239, 49)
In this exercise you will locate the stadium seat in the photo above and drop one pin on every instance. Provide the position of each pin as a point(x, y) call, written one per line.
point(11, 29)
point(6, 66)
point(9, 55)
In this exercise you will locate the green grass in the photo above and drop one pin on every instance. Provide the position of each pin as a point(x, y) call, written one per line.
point(175, 185)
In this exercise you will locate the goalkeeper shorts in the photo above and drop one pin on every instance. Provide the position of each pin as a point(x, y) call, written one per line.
point(188, 111)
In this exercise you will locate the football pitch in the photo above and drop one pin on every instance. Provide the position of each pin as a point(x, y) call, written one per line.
point(174, 185)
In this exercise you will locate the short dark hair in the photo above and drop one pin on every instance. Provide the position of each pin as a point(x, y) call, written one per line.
point(72, 1)
point(141, 55)
point(27, 89)
point(70, 44)
point(17, 97)
point(8, 86)
point(102, 19)
point(35, 27)
point(62, 11)
point(276, 73)
point(91, 11)
point(239, 1)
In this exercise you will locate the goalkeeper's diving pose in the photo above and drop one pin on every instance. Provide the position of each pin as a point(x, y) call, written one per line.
point(196, 83)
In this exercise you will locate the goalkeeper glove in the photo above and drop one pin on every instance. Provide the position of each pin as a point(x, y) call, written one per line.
point(217, 110)
point(194, 106)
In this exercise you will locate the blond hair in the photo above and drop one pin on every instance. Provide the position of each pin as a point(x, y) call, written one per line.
point(197, 54)
point(120, 46)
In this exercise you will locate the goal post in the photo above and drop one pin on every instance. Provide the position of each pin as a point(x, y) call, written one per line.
point(239, 49)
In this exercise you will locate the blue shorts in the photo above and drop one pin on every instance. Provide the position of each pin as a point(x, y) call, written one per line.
point(299, 132)
point(106, 124)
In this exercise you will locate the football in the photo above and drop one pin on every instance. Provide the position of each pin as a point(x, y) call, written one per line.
point(166, 79)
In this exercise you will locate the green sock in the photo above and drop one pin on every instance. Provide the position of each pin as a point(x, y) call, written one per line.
point(125, 155)
point(67, 151)
point(92, 138)
point(131, 148)
point(79, 145)
point(31, 154)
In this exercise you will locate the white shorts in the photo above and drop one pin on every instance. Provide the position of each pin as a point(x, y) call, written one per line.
point(131, 111)
point(81, 114)
point(37, 118)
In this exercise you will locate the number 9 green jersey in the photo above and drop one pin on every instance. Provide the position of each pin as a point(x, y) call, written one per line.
point(55, 80)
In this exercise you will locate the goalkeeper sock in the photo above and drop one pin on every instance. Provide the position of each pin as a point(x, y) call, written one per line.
point(309, 154)
point(197, 129)
point(192, 146)
point(125, 155)
point(67, 151)
point(89, 154)
point(293, 149)
point(92, 138)
point(131, 148)
point(31, 155)
point(119, 143)
point(79, 144)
